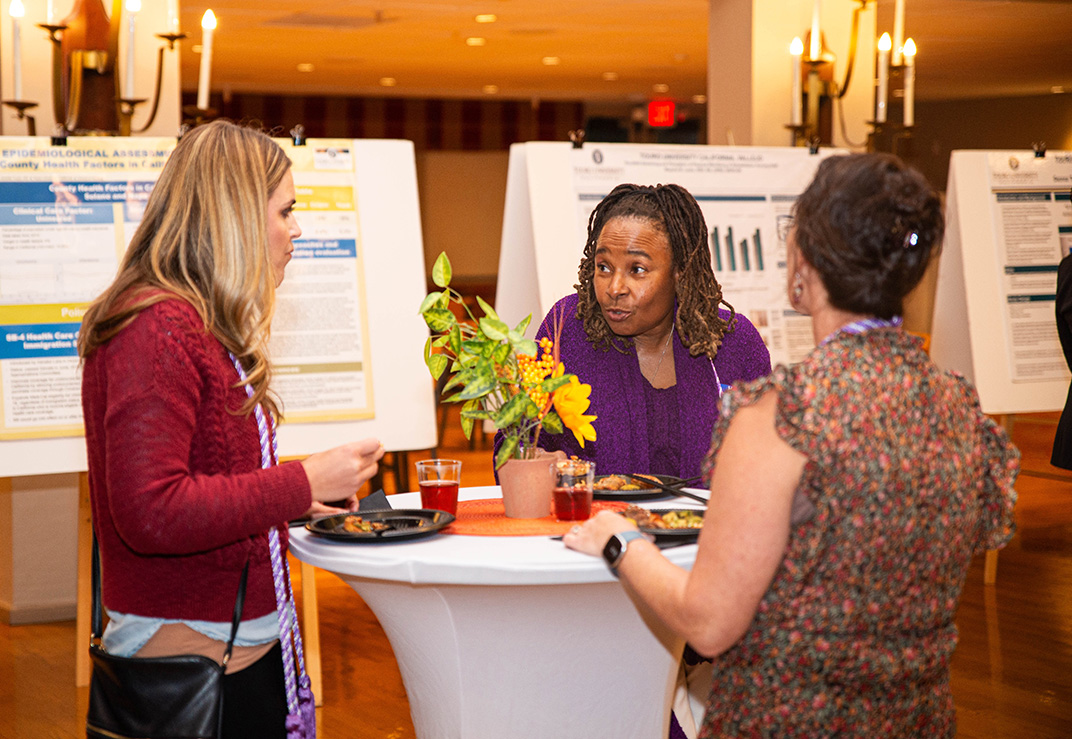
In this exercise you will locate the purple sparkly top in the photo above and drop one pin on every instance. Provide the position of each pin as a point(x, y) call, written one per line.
point(621, 397)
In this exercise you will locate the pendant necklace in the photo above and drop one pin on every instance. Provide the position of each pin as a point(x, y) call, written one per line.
point(662, 356)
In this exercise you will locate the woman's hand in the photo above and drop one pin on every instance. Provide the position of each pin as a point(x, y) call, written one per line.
point(591, 536)
point(338, 473)
point(319, 510)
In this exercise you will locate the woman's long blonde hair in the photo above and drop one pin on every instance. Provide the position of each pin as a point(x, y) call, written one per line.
point(204, 239)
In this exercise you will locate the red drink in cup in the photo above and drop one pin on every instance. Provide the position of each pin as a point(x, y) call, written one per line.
point(572, 504)
point(440, 494)
point(573, 489)
point(439, 480)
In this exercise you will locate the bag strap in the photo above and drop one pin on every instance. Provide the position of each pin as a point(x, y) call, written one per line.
point(95, 622)
point(240, 600)
point(96, 629)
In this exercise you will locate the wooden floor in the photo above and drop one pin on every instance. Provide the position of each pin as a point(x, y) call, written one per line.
point(1012, 673)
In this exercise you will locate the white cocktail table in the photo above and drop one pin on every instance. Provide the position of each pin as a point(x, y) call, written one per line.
point(511, 637)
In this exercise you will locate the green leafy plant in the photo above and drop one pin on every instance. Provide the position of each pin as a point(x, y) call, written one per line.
point(497, 374)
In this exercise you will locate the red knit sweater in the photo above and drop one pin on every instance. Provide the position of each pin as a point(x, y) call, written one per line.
point(178, 494)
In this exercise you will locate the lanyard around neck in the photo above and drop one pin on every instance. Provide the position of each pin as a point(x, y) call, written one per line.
point(864, 325)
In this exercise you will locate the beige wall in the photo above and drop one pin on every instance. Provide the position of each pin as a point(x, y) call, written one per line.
point(462, 194)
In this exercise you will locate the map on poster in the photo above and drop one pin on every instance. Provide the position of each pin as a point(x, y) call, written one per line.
point(66, 216)
point(746, 195)
point(1032, 216)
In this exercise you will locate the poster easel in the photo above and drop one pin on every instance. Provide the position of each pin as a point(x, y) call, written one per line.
point(1008, 224)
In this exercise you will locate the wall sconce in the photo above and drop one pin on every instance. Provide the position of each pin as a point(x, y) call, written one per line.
point(816, 96)
point(86, 94)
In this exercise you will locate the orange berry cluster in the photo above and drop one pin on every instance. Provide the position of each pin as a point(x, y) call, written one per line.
point(533, 371)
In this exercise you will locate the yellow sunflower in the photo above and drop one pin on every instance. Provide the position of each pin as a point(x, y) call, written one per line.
point(571, 401)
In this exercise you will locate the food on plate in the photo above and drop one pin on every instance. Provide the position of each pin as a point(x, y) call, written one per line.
point(356, 524)
point(680, 519)
point(618, 482)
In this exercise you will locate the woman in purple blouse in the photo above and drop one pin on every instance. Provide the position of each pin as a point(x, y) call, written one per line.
point(645, 331)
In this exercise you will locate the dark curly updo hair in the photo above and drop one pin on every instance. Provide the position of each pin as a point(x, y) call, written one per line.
point(869, 225)
point(674, 212)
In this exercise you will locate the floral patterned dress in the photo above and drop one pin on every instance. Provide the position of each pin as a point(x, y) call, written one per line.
point(908, 479)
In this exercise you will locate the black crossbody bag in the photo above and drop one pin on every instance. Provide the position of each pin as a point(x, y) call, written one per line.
point(178, 697)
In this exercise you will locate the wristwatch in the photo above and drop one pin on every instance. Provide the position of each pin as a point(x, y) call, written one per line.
point(614, 549)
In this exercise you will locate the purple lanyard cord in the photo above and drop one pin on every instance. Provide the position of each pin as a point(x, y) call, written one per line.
point(289, 634)
point(864, 325)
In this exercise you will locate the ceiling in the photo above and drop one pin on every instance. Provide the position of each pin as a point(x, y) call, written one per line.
point(968, 48)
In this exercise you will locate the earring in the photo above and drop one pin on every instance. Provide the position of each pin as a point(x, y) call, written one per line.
point(796, 292)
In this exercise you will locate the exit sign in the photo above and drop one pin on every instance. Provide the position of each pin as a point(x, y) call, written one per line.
point(661, 113)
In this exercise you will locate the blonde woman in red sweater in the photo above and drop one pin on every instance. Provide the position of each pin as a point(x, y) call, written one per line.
point(175, 386)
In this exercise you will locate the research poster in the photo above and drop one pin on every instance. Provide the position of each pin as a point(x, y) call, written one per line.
point(319, 342)
point(1032, 221)
point(68, 212)
point(746, 195)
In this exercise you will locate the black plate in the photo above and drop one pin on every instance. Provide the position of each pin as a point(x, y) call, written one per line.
point(405, 524)
point(635, 494)
point(680, 536)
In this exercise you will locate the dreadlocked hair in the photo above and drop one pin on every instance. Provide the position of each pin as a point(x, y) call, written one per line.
point(674, 212)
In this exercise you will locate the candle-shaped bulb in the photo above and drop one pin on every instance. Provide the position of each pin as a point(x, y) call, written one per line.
point(910, 83)
point(132, 8)
point(173, 16)
point(910, 51)
point(898, 31)
point(796, 50)
point(17, 11)
point(50, 12)
point(882, 88)
point(816, 46)
point(208, 26)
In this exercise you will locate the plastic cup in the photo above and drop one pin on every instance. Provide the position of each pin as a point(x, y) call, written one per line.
point(572, 495)
point(439, 480)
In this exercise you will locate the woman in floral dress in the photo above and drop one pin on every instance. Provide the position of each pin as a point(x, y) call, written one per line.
point(850, 493)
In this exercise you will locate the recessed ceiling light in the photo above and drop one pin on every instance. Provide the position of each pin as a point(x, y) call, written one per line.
point(196, 48)
point(551, 61)
point(610, 76)
point(486, 18)
point(388, 81)
point(699, 99)
point(491, 89)
point(475, 41)
point(305, 67)
point(661, 88)
point(1057, 89)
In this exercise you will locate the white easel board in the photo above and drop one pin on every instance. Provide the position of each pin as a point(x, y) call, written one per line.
point(746, 195)
point(1008, 224)
point(378, 349)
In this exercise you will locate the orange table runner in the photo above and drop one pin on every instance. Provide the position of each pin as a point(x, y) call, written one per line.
point(488, 518)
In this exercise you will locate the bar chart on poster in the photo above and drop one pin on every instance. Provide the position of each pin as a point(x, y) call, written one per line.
point(746, 195)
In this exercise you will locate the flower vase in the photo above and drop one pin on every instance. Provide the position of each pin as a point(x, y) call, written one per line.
point(527, 485)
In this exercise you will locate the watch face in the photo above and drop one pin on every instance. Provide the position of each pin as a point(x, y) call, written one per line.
point(613, 550)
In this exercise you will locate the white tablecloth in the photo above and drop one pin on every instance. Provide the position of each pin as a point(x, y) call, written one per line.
point(511, 637)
